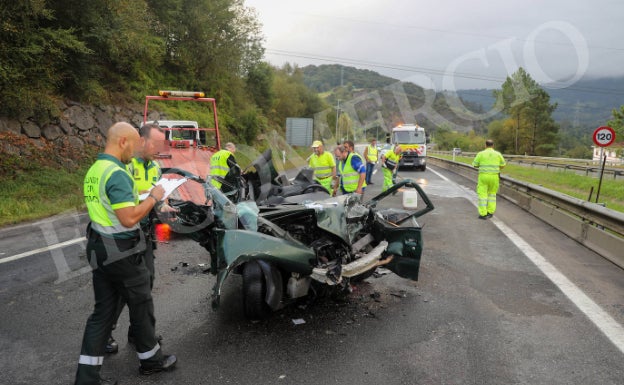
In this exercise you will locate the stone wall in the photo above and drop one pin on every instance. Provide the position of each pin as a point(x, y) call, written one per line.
point(81, 124)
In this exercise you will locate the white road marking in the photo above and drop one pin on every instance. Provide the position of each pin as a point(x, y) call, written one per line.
point(43, 249)
point(603, 321)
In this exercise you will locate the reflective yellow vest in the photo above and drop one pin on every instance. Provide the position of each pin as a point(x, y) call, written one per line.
point(219, 166)
point(489, 161)
point(372, 153)
point(322, 165)
point(143, 177)
point(392, 158)
point(101, 211)
point(349, 176)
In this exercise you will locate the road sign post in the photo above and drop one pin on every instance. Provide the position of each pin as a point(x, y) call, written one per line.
point(604, 136)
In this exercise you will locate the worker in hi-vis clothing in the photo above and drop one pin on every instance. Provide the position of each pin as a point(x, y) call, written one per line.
point(371, 155)
point(489, 162)
point(390, 165)
point(115, 247)
point(324, 166)
point(223, 164)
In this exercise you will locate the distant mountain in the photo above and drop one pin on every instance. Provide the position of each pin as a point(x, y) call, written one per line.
point(371, 95)
point(587, 103)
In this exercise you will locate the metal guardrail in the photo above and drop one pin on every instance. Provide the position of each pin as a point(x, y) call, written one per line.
point(590, 167)
point(596, 227)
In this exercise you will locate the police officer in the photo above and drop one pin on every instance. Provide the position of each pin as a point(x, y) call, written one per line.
point(390, 165)
point(352, 169)
point(489, 162)
point(223, 164)
point(371, 156)
point(145, 172)
point(115, 247)
point(323, 164)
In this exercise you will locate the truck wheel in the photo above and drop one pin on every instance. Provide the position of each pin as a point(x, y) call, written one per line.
point(254, 292)
point(423, 168)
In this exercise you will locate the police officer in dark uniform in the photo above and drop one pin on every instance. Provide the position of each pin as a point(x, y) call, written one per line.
point(145, 172)
point(115, 247)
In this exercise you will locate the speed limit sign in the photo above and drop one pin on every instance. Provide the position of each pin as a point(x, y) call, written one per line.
point(604, 136)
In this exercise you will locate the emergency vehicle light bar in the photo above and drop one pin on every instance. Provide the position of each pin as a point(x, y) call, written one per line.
point(191, 94)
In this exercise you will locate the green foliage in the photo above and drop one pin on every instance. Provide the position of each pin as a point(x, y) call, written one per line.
point(34, 51)
point(533, 130)
point(617, 123)
point(260, 86)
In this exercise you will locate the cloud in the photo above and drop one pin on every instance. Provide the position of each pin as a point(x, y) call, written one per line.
point(479, 42)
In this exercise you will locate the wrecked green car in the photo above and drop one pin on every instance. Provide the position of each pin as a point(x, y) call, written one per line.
point(284, 252)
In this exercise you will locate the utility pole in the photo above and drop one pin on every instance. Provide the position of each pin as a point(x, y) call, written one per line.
point(337, 116)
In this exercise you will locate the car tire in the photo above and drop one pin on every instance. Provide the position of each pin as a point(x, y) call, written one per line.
point(254, 292)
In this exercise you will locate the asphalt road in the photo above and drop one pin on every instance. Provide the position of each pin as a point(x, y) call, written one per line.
point(485, 310)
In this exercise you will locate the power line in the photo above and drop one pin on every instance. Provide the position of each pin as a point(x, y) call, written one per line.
point(431, 71)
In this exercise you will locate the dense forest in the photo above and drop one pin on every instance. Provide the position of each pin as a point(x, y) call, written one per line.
point(118, 51)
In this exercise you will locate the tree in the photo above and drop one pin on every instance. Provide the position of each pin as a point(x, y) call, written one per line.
point(34, 55)
point(260, 86)
point(617, 123)
point(530, 111)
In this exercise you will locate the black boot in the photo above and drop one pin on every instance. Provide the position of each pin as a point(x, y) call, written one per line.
point(168, 362)
point(111, 346)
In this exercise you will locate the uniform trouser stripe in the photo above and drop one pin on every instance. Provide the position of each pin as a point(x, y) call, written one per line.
point(149, 354)
point(90, 360)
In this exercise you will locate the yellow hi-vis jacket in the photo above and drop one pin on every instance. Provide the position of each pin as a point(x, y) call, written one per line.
point(144, 173)
point(99, 199)
point(489, 161)
point(372, 154)
point(219, 166)
point(349, 175)
point(322, 165)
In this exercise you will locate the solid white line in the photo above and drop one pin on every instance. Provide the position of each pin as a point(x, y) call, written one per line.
point(603, 321)
point(43, 249)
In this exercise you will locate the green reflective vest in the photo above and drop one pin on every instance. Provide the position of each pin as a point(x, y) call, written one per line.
point(372, 153)
point(322, 165)
point(349, 175)
point(101, 210)
point(392, 158)
point(144, 173)
point(489, 161)
point(219, 166)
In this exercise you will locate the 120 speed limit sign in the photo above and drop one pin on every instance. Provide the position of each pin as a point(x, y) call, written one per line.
point(604, 136)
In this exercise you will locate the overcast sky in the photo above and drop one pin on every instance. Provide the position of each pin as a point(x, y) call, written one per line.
point(450, 44)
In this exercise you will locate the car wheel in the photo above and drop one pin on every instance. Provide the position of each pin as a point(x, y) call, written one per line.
point(254, 292)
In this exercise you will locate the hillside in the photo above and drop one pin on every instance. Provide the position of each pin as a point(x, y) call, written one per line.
point(588, 103)
point(368, 96)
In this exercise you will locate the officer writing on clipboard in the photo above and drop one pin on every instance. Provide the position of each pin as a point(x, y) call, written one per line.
point(115, 247)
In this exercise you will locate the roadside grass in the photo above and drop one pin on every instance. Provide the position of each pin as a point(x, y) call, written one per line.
point(48, 192)
point(564, 181)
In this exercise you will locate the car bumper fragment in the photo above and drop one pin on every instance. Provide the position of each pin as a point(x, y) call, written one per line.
point(359, 266)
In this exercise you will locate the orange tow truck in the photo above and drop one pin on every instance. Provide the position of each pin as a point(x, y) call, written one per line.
point(187, 146)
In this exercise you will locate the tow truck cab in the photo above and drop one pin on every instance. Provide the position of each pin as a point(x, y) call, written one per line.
point(181, 133)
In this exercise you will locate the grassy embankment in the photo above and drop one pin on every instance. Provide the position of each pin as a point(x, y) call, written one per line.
point(565, 181)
